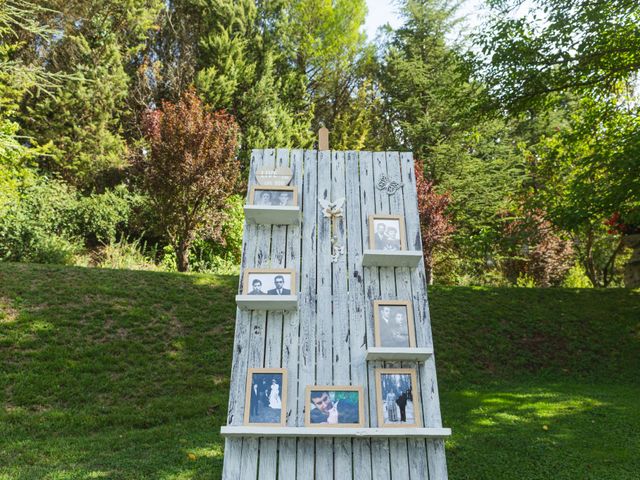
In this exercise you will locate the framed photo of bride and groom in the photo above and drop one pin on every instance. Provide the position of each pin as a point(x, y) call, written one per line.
point(266, 397)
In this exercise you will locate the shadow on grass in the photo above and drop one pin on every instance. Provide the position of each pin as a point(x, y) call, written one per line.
point(559, 431)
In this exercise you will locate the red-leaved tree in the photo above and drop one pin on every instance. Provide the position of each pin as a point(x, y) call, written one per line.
point(190, 169)
point(435, 224)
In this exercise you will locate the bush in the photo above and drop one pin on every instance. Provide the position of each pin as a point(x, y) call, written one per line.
point(577, 278)
point(100, 216)
point(49, 222)
point(39, 226)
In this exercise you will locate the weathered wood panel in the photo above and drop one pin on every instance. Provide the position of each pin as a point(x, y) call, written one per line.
point(324, 341)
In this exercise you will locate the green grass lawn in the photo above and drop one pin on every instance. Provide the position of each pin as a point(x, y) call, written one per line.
point(124, 375)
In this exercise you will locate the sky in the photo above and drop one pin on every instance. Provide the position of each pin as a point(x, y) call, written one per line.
point(383, 11)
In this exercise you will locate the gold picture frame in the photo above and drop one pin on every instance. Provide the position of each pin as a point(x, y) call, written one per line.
point(274, 188)
point(339, 388)
point(249, 397)
point(265, 272)
point(381, 400)
point(401, 230)
point(409, 318)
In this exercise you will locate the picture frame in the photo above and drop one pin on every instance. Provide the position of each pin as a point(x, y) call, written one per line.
point(381, 233)
point(266, 390)
point(273, 195)
point(397, 398)
point(397, 329)
point(268, 278)
point(315, 414)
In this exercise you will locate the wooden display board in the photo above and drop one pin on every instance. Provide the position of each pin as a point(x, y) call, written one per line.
point(325, 341)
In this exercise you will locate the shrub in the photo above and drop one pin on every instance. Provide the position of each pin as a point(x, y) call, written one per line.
point(100, 216)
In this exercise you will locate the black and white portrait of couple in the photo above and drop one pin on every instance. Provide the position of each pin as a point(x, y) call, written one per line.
point(274, 196)
point(394, 323)
point(265, 398)
point(269, 282)
point(397, 397)
point(387, 232)
point(334, 406)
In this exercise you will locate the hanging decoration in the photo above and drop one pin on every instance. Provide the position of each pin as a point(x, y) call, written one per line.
point(333, 211)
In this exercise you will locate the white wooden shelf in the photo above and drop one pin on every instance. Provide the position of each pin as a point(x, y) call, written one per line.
point(267, 302)
point(399, 354)
point(391, 432)
point(270, 215)
point(383, 258)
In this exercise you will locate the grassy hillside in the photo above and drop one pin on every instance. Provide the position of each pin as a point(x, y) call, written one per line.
point(124, 375)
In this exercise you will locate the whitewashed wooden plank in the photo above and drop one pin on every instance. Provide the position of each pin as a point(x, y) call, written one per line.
point(272, 215)
point(307, 307)
point(324, 340)
point(398, 459)
point(356, 296)
point(360, 433)
point(250, 446)
point(340, 315)
point(273, 335)
point(396, 354)
point(417, 455)
point(427, 374)
point(370, 165)
point(233, 447)
point(290, 336)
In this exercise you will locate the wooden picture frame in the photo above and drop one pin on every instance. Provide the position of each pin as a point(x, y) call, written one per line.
point(381, 401)
point(339, 388)
point(247, 288)
point(373, 240)
point(248, 399)
point(411, 333)
point(273, 188)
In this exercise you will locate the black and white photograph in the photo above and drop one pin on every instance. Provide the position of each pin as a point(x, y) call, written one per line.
point(393, 322)
point(265, 402)
point(274, 196)
point(334, 406)
point(386, 233)
point(397, 397)
point(269, 282)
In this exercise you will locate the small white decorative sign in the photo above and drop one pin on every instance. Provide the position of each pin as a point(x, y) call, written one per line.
point(279, 176)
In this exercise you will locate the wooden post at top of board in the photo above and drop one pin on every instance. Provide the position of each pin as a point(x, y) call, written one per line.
point(323, 138)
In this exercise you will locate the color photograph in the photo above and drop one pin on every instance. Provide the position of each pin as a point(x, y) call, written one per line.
point(397, 396)
point(330, 406)
point(265, 402)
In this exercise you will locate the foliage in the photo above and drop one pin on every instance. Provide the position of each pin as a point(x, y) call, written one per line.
point(576, 278)
point(237, 72)
point(49, 222)
point(537, 251)
point(189, 170)
point(556, 45)
point(435, 224)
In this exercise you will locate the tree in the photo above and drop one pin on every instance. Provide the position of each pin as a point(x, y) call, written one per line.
point(94, 47)
point(435, 223)
point(559, 45)
point(189, 170)
point(237, 72)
